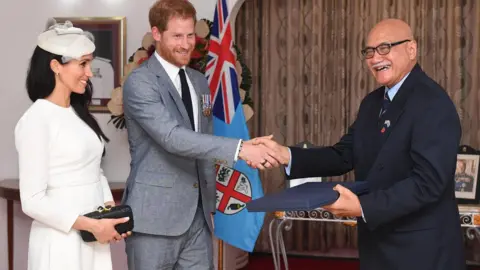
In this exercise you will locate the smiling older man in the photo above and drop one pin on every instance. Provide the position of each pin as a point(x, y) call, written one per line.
point(404, 144)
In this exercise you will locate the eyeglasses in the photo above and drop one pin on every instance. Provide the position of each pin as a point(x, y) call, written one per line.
point(381, 49)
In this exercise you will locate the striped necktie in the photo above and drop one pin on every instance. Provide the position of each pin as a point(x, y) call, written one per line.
point(385, 103)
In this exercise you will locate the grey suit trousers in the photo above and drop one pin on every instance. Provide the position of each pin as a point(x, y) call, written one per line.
point(192, 250)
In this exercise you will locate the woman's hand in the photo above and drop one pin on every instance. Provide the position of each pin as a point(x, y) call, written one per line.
point(124, 235)
point(104, 230)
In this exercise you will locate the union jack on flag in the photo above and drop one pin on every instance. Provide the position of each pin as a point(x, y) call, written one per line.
point(220, 70)
point(236, 186)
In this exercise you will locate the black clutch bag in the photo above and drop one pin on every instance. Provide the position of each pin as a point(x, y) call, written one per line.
point(120, 211)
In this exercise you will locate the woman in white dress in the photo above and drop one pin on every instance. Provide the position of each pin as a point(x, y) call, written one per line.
point(60, 147)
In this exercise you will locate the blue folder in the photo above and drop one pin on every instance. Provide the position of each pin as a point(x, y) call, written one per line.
point(308, 196)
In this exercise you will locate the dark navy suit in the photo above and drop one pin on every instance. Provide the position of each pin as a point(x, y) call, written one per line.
point(412, 219)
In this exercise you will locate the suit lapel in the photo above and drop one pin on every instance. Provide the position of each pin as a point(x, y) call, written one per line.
point(197, 85)
point(374, 112)
point(164, 81)
point(198, 90)
point(372, 135)
point(388, 121)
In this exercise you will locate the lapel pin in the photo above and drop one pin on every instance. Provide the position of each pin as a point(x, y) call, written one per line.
point(206, 105)
point(386, 125)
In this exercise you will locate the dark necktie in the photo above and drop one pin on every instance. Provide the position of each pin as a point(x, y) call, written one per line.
point(187, 99)
point(385, 103)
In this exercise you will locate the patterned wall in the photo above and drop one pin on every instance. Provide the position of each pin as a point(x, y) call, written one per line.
point(309, 78)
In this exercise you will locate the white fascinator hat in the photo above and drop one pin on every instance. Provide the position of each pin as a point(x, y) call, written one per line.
point(65, 40)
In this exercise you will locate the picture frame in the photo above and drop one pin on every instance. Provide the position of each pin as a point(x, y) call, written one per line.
point(109, 57)
point(467, 188)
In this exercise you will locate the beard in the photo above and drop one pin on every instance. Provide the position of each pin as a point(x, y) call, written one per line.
point(170, 55)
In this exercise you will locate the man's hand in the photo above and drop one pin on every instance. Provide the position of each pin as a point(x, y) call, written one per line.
point(258, 155)
point(347, 204)
point(278, 151)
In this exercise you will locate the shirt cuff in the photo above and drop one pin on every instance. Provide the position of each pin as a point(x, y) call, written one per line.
point(287, 169)
point(363, 216)
point(238, 151)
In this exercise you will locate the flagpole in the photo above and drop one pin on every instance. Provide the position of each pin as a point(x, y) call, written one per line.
point(220, 255)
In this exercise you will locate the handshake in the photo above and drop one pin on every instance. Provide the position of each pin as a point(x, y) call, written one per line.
point(264, 153)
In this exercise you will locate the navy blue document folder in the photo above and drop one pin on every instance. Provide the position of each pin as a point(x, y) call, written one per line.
point(306, 196)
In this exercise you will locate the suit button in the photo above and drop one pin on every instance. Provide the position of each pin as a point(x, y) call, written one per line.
point(195, 185)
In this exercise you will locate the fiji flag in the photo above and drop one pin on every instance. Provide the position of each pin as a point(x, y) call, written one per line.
point(235, 187)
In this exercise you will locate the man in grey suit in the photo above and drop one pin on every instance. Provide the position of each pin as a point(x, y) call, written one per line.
point(171, 186)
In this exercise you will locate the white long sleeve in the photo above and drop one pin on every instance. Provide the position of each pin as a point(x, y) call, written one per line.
point(107, 193)
point(59, 160)
point(33, 141)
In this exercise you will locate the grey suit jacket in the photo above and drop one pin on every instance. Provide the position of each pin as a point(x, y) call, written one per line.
point(169, 160)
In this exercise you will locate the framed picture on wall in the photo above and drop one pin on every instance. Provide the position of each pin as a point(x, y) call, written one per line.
point(466, 176)
point(109, 34)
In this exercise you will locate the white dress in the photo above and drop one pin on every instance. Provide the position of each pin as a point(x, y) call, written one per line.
point(60, 179)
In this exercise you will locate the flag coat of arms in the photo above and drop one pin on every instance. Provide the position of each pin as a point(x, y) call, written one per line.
point(238, 185)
